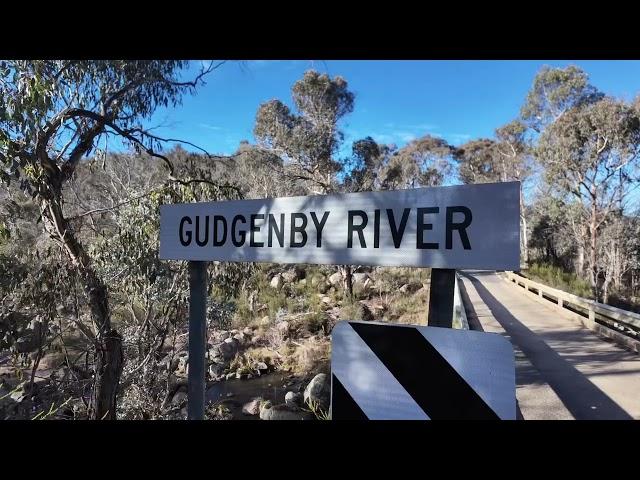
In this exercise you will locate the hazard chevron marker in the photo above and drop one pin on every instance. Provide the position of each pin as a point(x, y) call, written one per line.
point(408, 372)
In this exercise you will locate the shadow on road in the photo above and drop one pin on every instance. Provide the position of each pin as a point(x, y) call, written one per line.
point(581, 397)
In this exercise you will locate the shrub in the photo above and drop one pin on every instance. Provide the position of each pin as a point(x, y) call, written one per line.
point(557, 278)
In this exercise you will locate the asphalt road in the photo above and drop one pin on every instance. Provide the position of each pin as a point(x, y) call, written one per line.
point(563, 370)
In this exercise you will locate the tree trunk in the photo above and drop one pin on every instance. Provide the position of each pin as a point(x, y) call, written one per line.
point(347, 279)
point(581, 260)
point(108, 343)
point(593, 249)
point(524, 240)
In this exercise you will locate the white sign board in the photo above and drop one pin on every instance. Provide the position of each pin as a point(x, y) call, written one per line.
point(407, 372)
point(468, 226)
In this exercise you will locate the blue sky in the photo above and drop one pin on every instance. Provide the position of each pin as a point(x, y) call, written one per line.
point(396, 101)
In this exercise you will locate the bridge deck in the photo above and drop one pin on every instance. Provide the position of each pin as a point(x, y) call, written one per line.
point(563, 370)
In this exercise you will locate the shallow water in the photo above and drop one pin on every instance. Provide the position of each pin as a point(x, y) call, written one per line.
point(269, 386)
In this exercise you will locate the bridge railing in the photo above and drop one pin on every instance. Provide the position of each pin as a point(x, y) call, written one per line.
point(459, 314)
point(619, 325)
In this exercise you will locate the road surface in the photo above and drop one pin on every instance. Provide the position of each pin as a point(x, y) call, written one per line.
point(563, 370)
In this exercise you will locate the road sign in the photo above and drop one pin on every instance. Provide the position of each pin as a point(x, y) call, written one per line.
point(405, 372)
point(467, 226)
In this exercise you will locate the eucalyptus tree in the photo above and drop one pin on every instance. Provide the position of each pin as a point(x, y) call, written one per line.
point(307, 140)
point(423, 162)
point(554, 92)
point(52, 115)
point(591, 153)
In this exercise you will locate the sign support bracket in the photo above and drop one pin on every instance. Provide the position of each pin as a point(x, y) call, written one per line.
point(441, 294)
point(197, 339)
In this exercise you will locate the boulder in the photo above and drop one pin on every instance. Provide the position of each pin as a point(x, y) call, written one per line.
point(281, 412)
point(411, 287)
point(229, 349)
point(361, 279)
point(293, 399)
point(265, 320)
point(248, 330)
point(318, 391)
point(261, 366)
point(216, 370)
point(252, 407)
point(276, 281)
point(335, 279)
point(179, 398)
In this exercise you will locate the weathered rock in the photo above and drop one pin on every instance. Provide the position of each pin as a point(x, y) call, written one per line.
point(216, 369)
point(303, 281)
point(262, 366)
point(229, 348)
point(281, 412)
point(293, 399)
point(335, 279)
point(179, 398)
point(276, 281)
point(248, 330)
point(240, 338)
point(223, 335)
point(359, 279)
point(252, 407)
point(325, 299)
point(265, 320)
point(411, 287)
point(229, 376)
point(318, 391)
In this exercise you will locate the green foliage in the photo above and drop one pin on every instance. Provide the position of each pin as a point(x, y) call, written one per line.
point(557, 278)
point(315, 408)
point(555, 91)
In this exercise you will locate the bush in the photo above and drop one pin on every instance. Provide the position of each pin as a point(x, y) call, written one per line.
point(557, 278)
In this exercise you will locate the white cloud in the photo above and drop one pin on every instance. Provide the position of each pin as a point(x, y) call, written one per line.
point(209, 127)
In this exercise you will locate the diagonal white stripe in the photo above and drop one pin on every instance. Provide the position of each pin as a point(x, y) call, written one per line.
point(368, 381)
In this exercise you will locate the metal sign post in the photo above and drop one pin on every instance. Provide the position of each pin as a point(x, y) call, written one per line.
point(197, 339)
point(441, 293)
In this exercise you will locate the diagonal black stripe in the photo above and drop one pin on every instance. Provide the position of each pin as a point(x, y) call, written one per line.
point(425, 374)
point(343, 406)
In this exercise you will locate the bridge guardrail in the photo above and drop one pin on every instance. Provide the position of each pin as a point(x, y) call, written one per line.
point(459, 313)
point(619, 325)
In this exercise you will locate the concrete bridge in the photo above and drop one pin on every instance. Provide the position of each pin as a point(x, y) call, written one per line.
point(564, 370)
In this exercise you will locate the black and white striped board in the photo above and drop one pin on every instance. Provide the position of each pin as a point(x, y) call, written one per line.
point(407, 372)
